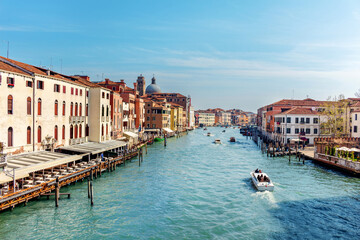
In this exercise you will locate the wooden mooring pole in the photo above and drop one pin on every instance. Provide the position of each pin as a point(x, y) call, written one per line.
point(57, 191)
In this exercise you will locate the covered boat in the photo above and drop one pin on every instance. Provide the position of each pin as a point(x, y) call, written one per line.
point(262, 181)
point(217, 141)
point(208, 134)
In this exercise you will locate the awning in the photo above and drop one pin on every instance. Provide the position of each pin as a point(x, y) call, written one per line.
point(168, 130)
point(152, 130)
point(94, 147)
point(131, 134)
point(24, 164)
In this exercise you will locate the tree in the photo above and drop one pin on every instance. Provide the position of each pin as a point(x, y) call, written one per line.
point(335, 114)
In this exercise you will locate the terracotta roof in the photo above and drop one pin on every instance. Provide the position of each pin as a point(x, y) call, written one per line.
point(175, 104)
point(168, 94)
point(305, 102)
point(300, 111)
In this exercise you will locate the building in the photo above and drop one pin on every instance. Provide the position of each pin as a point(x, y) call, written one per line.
point(355, 119)
point(241, 119)
point(297, 123)
point(158, 114)
point(116, 104)
point(205, 118)
point(40, 108)
point(141, 83)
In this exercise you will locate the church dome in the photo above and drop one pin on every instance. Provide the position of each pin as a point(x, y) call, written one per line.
point(153, 87)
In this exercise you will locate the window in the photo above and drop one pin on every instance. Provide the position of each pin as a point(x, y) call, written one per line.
point(64, 89)
point(107, 111)
point(307, 120)
point(87, 130)
point(40, 84)
point(154, 125)
point(316, 120)
point(153, 118)
point(76, 91)
point(29, 84)
point(11, 82)
point(63, 132)
point(103, 95)
point(307, 131)
point(315, 131)
point(28, 135)
point(10, 104)
point(356, 116)
point(87, 110)
point(102, 129)
point(148, 118)
point(56, 108)
point(80, 109)
point(302, 120)
point(288, 119)
point(76, 109)
point(72, 91)
point(297, 120)
point(56, 132)
point(148, 125)
point(107, 96)
point(302, 131)
point(296, 131)
point(113, 88)
point(107, 129)
point(63, 108)
point(87, 93)
point(102, 111)
point(10, 137)
point(288, 130)
point(39, 107)
point(56, 88)
point(71, 132)
point(355, 129)
point(71, 108)
point(80, 131)
point(76, 131)
point(28, 106)
point(80, 92)
point(39, 134)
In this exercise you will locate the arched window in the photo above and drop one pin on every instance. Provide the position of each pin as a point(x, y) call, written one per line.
point(28, 135)
point(107, 111)
point(10, 105)
point(39, 106)
point(102, 129)
point(102, 111)
point(63, 132)
point(71, 132)
point(63, 108)
point(56, 132)
point(80, 109)
point(87, 130)
point(76, 109)
point(71, 108)
point(107, 129)
point(56, 107)
point(80, 131)
point(76, 131)
point(87, 110)
point(10, 137)
point(39, 134)
point(28, 105)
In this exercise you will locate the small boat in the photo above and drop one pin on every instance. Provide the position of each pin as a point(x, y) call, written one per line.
point(208, 134)
point(205, 129)
point(217, 141)
point(224, 131)
point(266, 185)
point(157, 139)
point(232, 139)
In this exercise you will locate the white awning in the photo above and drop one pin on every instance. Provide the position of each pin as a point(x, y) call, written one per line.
point(152, 130)
point(168, 130)
point(131, 134)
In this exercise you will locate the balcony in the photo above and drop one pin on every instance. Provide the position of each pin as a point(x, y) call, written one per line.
point(75, 141)
point(76, 119)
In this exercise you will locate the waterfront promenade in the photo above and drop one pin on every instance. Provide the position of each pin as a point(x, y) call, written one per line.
point(194, 189)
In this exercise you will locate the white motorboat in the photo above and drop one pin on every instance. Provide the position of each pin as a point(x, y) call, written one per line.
point(217, 141)
point(262, 185)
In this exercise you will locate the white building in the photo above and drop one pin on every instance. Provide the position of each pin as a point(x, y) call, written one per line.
point(206, 118)
point(40, 108)
point(298, 123)
point(192, 117)
point(355, 119)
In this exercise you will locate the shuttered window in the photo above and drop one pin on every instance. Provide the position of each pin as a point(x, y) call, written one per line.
point(10, 104)
point(39, 106)
point(39, 134)
point(10, 137)
point(28, 105)
point(28, 135)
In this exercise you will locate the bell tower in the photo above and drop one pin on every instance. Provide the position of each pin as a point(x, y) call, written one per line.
point(141, 85)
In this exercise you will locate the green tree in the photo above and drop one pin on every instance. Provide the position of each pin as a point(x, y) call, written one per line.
point(335, 116)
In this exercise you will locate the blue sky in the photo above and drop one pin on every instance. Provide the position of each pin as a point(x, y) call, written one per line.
point(229, 54)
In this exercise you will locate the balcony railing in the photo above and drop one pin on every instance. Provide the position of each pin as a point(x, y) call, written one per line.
point(77, 140)
point(76, 119)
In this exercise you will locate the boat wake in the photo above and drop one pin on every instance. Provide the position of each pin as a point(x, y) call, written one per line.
point(269, 196)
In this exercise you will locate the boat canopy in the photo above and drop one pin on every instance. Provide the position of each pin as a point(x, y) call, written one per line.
point(168, 130)
point(131, 134)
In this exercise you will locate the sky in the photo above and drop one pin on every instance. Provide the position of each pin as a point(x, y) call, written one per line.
point(228, 54)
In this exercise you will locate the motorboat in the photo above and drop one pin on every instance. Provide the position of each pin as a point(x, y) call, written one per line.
point(232, 139)
point(217, 141)
point(262, 185)
point(205, 129)
point(224, 131)
point(208, 134)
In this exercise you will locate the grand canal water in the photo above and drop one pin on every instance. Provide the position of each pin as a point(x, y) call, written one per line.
point(193, 189)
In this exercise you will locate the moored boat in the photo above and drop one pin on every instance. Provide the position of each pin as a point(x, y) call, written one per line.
point(157, 139)
point(232, 139)
point(217, 141)
point(262, 181)
point(208, 134)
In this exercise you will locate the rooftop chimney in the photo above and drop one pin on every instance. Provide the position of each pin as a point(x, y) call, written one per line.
point(107, 81)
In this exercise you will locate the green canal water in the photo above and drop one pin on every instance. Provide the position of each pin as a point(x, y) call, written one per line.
point(194, 189)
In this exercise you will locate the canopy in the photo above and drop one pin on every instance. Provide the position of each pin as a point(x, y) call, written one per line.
point(131, 134)
point(354, 150)
point(343, 149)
point(168, 130)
